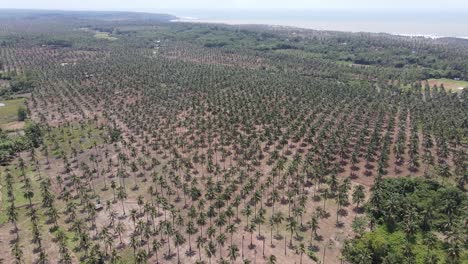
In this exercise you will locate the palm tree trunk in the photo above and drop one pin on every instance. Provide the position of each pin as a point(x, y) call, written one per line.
point(290, 239)
point(242, 247)
point(123, 207)
point(324, 250)
point(178, 258)
point(190, 243)
point(271, 235)
point(285, 245)
point(169, 244)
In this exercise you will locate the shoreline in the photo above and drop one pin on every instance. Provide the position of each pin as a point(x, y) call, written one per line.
point(303, 26)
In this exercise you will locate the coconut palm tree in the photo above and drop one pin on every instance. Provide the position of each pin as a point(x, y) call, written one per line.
point(201, 221)
point(191, 230)
point(210, 250)
point(12, 215)
point(271, 259)
point(314, 226)
point(233, 253)
point(358, 195)
point(156, 246)
point(134, 217)
point(179, 240)
point(17, 251)
point(221, 239)
point(200, 242)
point(120, 229)
point(122, 195)
point(141, 257)
point(251, 229)
point(301, 249)
point(291, 226)
point(278, 218)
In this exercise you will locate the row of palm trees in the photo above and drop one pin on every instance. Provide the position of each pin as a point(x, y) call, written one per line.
point(258, 217)
point(211, 153)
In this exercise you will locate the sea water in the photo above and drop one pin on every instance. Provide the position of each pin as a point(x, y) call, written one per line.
point(429, 23)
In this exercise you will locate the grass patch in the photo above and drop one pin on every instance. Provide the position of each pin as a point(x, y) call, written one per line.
point(104, 35)
point(345, 63)
point(449, 84)
point(9, 112)
point(127, 255)
point(62, 140)
point(298, 53)
point(20, 200)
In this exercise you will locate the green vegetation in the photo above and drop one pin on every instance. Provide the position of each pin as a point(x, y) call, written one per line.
point(382, 246)
point(413, 58)
point(196, 143)
point(9, 145)
point(22, 114)
point(450, 84)
point(34, 133)
point(10, 111)
point(16, 84)
point(417, 221)
point(104, 35)
point(20, 200)
point(66, 140)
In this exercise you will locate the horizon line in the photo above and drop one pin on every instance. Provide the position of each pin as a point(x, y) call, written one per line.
point(142, 9)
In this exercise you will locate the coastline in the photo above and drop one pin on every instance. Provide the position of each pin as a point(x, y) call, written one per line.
point(320, 26)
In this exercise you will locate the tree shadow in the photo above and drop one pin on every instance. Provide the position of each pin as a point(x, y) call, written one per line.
point(278, 237)
point(339, 224)
point(13, 241)
point(120, 246)
point(343, 212)
point(314, 248)
point(122, 217)
point(358, 210)
point(299, 238)
point(170, 256)
point(190, 253)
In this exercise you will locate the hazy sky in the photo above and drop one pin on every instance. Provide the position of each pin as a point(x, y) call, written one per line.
point(242, 4)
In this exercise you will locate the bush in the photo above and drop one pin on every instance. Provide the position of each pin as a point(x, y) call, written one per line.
point(33, 134)
point(21, 84)
point(22, 114)
point(9, 145)
point(409, 212)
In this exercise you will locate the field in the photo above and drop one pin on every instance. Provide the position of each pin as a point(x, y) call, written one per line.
point(104, 35)
point(194, 143)
point(9, 114)
point(451, 85)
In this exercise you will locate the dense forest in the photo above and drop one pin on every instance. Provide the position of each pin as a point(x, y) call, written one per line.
point(128, 138)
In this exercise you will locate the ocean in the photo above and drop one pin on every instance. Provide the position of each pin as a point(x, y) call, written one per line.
point(429, 23)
